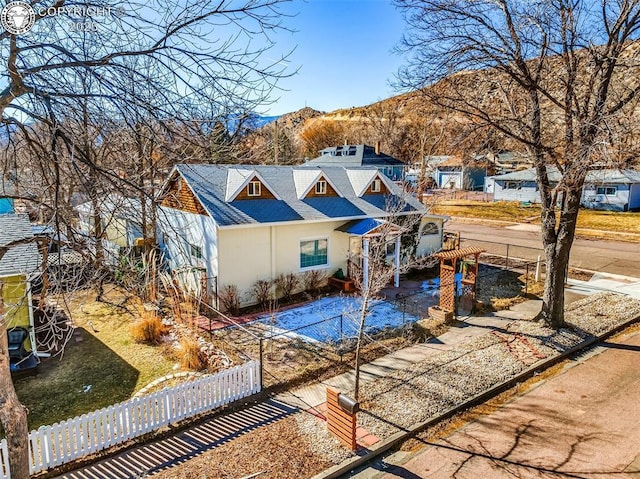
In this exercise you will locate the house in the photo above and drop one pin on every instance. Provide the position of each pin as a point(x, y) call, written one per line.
point(233, 225)
point(606, 189)
point(518, 185)
point(18, 268)
point(6, 197)
point(429, 163)
point(353, 156)
point(612, 189)
point(121, 223)
point(457, 173)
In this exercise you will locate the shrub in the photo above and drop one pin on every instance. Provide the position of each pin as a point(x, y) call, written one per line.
point(262, 291)
point(314, 280)
point(286, 284)
point(229, 299)
point(149, 329)
point(190, 356)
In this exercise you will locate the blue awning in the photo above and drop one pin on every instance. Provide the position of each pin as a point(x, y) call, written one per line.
point(364, 227)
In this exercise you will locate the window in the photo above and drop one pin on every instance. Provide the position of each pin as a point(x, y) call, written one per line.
point(430, 229)
point(195, 251)
point(512, 185)
point(313, 253)
point(254, 188)
point(321, 187)
point(376, 186)
point(606, 190)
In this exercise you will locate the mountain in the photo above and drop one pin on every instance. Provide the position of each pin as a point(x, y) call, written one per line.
point(410, 126)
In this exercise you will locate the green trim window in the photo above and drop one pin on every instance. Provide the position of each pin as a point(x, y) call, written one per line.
point(314, 253)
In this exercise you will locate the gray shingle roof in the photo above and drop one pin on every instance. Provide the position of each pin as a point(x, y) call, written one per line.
point(594, 176)
point(209, 183)
point(23, 258)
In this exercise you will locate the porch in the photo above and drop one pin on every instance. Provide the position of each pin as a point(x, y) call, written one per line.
point(369, 240)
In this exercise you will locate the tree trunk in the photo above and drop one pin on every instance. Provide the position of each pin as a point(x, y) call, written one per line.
point(364, 311)
point(13, 415)
point(557, 247)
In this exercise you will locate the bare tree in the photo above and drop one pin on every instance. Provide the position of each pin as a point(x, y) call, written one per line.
point(70, 67)
point(393, 240)
point(553, 75)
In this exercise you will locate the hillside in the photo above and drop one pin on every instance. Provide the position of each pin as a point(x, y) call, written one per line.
point(411, 126)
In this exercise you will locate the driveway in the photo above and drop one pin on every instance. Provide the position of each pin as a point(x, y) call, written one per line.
point(582, 423)
point(615, 257)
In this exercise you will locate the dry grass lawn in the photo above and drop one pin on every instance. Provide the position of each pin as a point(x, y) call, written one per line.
point(101, 365)
point(627, 222)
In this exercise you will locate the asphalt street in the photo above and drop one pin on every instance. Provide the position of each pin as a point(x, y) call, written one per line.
point(616, 257)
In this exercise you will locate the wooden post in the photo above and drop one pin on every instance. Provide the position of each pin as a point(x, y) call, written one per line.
point(340, 423)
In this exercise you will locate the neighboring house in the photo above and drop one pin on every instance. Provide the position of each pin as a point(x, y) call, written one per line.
point(350, 156)
point(121, 223)
point(6, 201)
point(429, 163)
point(458, 174)
point(18, 267)
point(607, 189)
point(233, 225)
point(615, 190)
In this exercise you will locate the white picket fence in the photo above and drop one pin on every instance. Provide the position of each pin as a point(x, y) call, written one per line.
point(62, 442)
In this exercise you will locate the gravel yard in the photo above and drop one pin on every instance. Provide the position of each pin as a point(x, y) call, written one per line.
point(300, 446)
point(415, 394)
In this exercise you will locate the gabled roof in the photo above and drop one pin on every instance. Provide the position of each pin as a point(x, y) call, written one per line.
point(305, 179)
point(22, 258)
point(354, 155)
point(362, 179)
point(238, 178)
point(209, 185)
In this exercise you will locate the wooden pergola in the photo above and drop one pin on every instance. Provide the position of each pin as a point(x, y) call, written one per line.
point(448, 264)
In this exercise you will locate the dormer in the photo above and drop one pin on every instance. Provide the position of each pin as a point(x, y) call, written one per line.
point(377, 186)
point(247, 184)
point(368, 182)
point(311, 183)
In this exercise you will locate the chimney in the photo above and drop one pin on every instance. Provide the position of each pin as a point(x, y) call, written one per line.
point(378, 147)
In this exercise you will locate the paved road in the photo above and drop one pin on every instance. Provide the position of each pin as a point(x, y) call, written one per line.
point(582, 423)
point(615, 257)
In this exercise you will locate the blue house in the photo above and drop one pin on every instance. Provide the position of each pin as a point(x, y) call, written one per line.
point(355, 156)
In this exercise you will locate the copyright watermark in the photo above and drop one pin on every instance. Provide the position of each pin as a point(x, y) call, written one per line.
point(19, 17)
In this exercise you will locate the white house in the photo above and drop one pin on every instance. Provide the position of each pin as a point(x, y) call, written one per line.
point(234, 224)
point(607, 189)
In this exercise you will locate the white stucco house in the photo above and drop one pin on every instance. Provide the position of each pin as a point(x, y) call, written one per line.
point(235, 224)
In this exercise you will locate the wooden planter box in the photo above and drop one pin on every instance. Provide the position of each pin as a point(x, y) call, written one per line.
point(440, 314)
point(345, 285)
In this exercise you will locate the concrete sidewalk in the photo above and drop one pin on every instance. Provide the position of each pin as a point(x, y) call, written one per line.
point(470, 327)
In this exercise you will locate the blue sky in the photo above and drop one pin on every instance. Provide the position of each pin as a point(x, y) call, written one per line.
point(343, 52)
